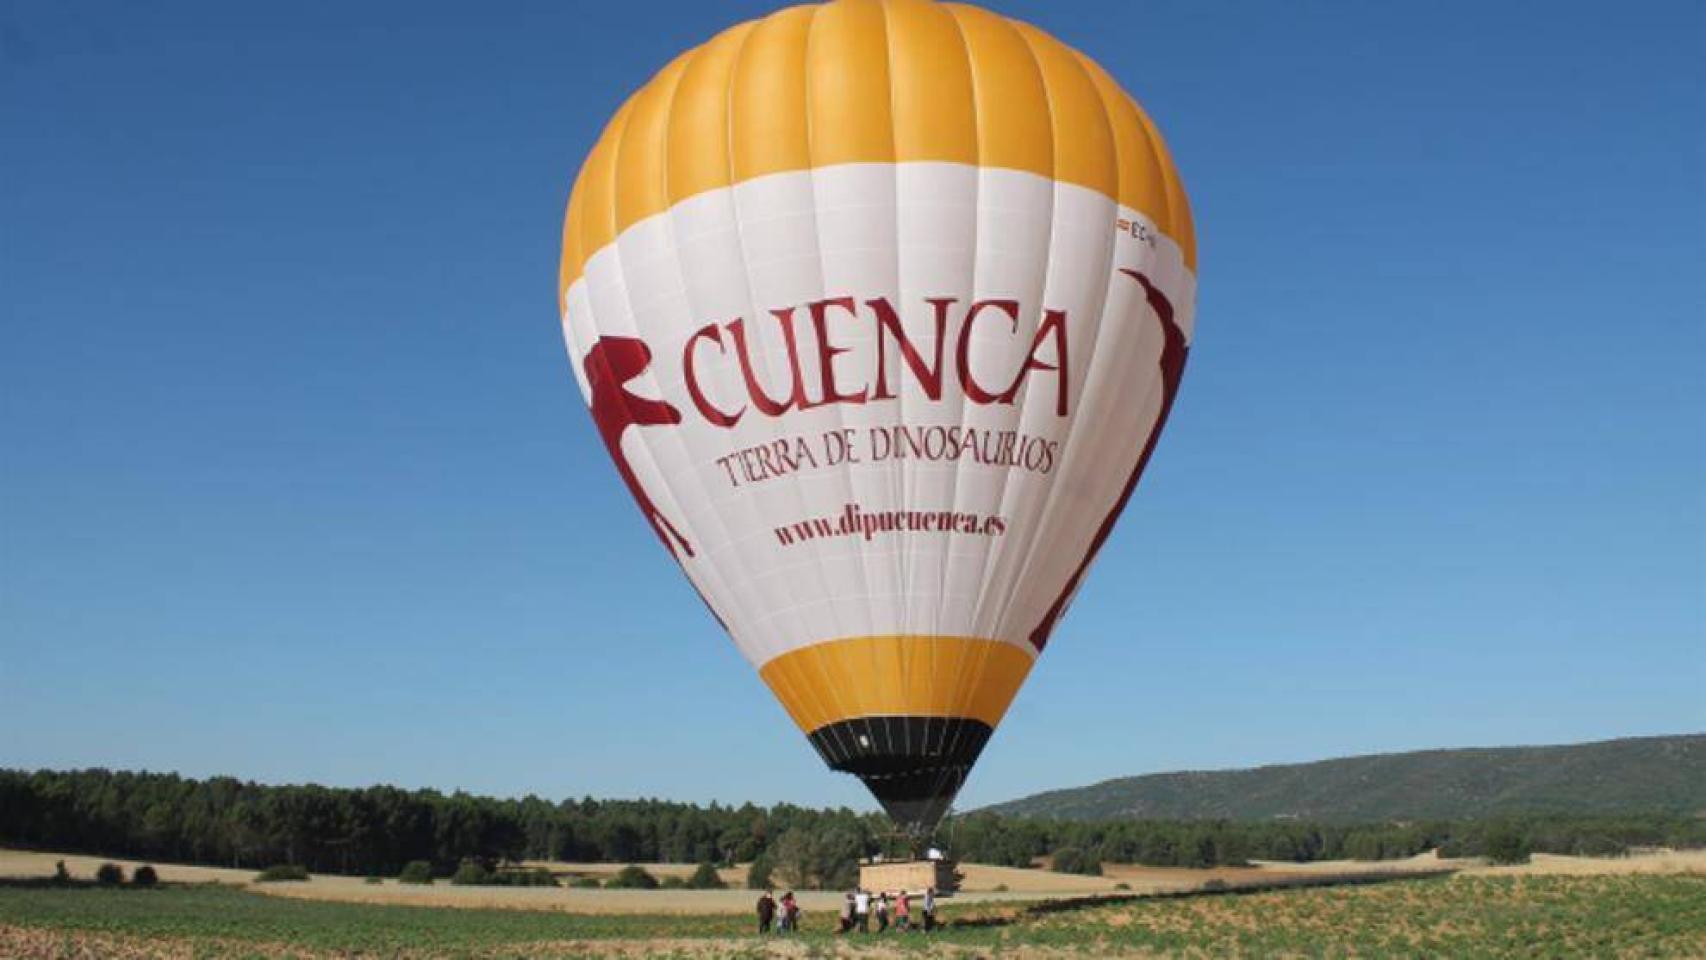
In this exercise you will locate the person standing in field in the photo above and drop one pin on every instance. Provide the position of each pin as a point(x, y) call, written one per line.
point(862, 909)
point(790, 913)
point(766, 912)
point(929, 909)
point(882, 911)
point(846, 914)
point(902, 912)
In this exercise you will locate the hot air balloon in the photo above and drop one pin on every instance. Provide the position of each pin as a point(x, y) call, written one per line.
point(879, 307)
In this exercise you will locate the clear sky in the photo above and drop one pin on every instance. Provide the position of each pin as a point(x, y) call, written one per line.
point(295, 483)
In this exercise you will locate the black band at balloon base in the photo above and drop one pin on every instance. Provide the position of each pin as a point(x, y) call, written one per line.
point(914, 766)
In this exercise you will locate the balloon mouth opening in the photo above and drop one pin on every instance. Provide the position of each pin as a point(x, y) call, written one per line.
point(913, 766)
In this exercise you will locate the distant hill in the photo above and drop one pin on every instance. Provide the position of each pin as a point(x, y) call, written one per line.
point(1636, 775)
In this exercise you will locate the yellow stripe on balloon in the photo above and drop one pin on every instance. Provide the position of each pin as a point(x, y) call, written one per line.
point(1013, 127)
point(885, 676)
point(847, 85)
point(767, 98)
point(697, 142)
point(933, 101)
point(640, 167)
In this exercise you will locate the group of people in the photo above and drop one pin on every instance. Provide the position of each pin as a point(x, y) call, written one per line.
point(861, 907)
point(857, 912)
point(785, 914)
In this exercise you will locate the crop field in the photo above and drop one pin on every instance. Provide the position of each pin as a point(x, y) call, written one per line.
point(1489, 916)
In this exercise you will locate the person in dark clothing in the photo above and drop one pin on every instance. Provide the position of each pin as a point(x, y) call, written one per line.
point(766, 911)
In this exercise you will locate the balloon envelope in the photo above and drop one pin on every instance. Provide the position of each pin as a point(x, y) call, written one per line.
point(879, 308)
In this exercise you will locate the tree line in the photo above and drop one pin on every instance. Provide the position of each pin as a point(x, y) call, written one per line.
point(378, 830)
point(1081, 846)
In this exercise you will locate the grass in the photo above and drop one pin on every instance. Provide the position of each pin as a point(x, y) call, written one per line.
point(1609, 916)
point(211, 911)
point(1614, 916)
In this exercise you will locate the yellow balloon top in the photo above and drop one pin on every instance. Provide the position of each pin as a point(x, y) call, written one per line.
point(870, 81)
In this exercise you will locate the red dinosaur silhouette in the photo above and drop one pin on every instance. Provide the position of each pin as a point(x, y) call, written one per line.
point(1173, 352)
point(609, 365)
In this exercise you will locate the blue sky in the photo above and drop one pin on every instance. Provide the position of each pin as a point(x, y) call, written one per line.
point(295, 483)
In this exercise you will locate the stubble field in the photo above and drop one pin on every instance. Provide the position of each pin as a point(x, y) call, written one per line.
point(1520, 915)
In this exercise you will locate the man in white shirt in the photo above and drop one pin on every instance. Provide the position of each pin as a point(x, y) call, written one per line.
point(862, 909)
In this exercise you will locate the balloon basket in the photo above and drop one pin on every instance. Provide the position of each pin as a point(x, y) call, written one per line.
point(913, 876)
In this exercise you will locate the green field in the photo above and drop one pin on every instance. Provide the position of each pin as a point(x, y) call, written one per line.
point(1612, 916)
